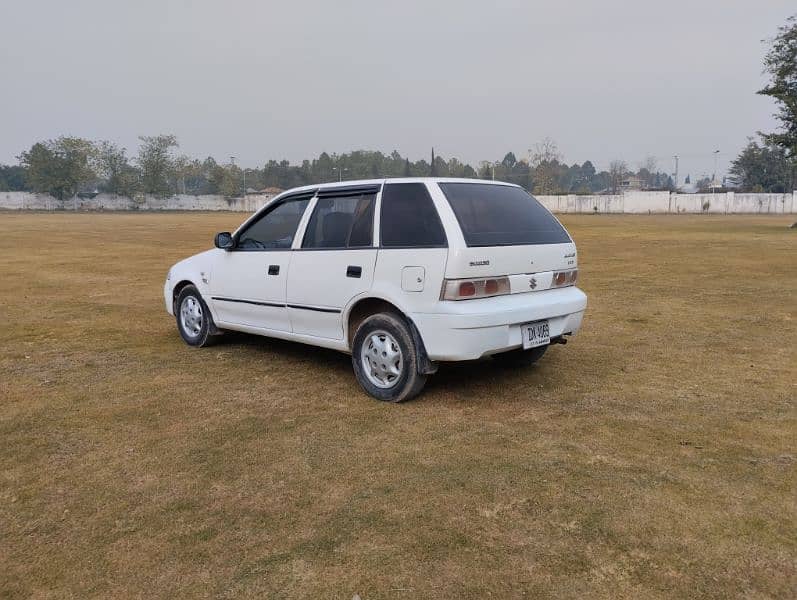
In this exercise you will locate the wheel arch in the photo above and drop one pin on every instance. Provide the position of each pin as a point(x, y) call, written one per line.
point(364, 307)
point(179, 287)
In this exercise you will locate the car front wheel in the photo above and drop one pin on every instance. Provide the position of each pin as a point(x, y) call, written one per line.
point(385, 359)
point(194, 321)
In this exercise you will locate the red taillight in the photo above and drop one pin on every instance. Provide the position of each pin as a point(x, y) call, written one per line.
point(463, 289)
point(467, 288)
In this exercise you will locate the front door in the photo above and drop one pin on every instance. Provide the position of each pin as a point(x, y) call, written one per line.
point(335, 262)
point(248, 282)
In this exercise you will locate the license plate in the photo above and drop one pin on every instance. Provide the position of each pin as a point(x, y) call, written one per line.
point(535, 334)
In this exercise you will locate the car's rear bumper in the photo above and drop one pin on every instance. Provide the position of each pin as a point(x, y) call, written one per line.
point(471, 329)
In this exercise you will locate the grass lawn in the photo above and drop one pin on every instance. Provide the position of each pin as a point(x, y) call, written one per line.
point(653, 456)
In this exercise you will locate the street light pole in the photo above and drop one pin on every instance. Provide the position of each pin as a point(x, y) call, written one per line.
point(340, 172)
point(714, 177)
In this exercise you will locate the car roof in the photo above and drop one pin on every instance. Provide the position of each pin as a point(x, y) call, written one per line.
point(364, 182)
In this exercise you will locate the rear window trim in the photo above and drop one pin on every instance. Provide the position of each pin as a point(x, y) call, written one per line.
point(349, 190)
point(512, 245)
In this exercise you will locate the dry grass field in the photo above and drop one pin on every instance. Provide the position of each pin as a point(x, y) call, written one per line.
point(653, 456)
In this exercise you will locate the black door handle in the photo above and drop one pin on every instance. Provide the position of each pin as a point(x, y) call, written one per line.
point(273, 269)
point(352, 271)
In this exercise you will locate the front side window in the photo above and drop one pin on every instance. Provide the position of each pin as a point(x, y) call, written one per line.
point(502, 215)
point(409, 218)
point(341, 222)
point(275, 229)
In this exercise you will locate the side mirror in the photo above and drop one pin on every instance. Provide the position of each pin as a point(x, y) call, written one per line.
point(223, 240)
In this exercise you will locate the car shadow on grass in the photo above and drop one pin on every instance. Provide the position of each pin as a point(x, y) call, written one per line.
point(456, 381)
point(285, 350)
point(487, 379)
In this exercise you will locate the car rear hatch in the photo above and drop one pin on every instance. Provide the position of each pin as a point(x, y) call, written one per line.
point(509, 237)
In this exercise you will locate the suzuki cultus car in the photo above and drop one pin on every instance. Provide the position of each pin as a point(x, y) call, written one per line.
point(401, 273)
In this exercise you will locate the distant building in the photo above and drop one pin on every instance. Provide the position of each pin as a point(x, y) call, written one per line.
point(268, 191)
point(632, 182)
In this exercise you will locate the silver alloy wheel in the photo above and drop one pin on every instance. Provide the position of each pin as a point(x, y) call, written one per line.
point(381, 359)
point(191, 316)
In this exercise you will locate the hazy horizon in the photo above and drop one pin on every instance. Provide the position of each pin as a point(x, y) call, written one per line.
point(615, 81)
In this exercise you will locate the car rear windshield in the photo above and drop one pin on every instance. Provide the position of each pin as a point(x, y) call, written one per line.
point(502, 215)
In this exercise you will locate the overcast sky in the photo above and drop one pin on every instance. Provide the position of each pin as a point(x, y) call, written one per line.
point(265, 79)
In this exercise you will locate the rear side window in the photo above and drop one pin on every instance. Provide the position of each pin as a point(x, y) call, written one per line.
point(341, 222)
point(502, 215)
point(409, 218)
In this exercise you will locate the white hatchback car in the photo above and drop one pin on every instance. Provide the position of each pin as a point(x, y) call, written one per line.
point(401, 273)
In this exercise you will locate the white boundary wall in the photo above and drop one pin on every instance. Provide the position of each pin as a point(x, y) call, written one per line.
point(628, 203)
point(665, 202)
point(31, 201)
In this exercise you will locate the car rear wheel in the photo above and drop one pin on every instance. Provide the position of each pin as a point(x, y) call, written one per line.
point(194, 321)
point(520, 358)
point(385, 359)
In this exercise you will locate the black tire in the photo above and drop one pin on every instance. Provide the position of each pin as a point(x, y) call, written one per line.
point(406, 385)
point(520, 358)
point(203, 335)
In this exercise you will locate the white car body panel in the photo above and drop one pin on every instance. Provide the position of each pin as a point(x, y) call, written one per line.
point(311, 299)
point(319, 288)
point(239, 276)
point(389, 277)
point(510, 260)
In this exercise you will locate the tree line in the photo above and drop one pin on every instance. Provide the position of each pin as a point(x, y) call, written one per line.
point(67, 166)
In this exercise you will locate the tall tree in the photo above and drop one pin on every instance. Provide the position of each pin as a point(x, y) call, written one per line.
point(12, 178)
point(545, 165)
point(181, 169)
point(617, 172)
point(230, 185)
point(60, 167)
point(156, 164)
point(781, 65)
point(112, 164)
point(761, 168)
point(647, 171)
point(509, 160)
point(433, 166)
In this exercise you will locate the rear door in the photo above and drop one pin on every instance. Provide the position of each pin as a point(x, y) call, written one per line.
point(506, 232)
point(335, 262)
point(248, 282)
